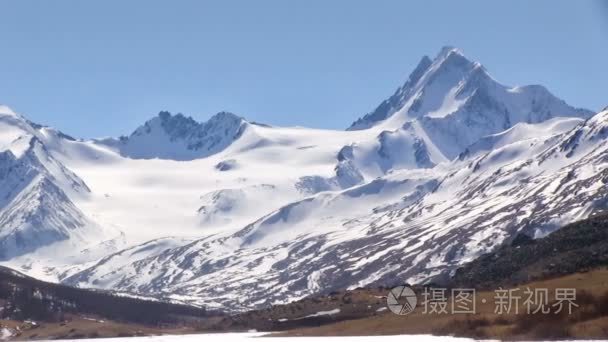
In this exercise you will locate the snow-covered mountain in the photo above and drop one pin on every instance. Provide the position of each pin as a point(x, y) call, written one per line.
point(450, 102)
point(238, 215)
point(411, 225)
point(179, 137)
point(35, 190)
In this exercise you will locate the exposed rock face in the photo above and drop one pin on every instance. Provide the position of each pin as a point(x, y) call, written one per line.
point(179, 137)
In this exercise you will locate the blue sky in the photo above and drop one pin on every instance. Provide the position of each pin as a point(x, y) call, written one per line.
point(100, 68)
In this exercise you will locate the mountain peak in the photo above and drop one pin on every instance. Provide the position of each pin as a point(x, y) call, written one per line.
point(450, 58)
point(440, 87)
point(7, 111)
point(448, 50)
point(180, 137)
point(225, 116)
point(422, 67)
point(449, 64)
point(169, 121)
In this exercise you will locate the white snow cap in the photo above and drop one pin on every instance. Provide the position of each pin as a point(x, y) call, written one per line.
point(446, 50)
point(6, 110)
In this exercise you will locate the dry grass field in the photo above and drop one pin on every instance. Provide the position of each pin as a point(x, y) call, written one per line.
point(588, 320)
point(83, 327)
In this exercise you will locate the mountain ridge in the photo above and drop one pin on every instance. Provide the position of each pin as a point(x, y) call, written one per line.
point(449, 58)
point(198, 211)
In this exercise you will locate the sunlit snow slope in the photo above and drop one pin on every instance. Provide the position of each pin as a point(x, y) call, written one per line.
point(237, 215)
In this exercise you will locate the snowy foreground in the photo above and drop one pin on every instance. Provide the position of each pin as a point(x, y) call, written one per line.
point(255, 337)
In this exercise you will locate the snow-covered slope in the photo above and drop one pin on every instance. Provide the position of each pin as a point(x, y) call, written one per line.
point(237, 215)
point(408, 226)
point(520, 132)
point(35, 189)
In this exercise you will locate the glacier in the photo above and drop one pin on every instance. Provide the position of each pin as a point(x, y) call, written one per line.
point(452, 165)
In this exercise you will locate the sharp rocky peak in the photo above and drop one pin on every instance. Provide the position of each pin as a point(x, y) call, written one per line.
point(439, 86)
point(180, 137)
point(182, 126)
point(449, 63)
point(452, 56)
point(7, 111)
point(449, 59)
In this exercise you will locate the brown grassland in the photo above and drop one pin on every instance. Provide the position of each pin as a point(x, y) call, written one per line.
point(362, 312)
point(588, 320)
point(76, 327)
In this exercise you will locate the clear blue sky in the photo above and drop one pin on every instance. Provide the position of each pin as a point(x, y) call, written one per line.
point(100, 68)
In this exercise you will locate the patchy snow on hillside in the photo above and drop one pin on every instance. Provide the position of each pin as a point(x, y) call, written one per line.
point(5, 334)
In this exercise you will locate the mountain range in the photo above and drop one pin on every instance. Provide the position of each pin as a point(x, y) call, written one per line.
point(237, 215)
